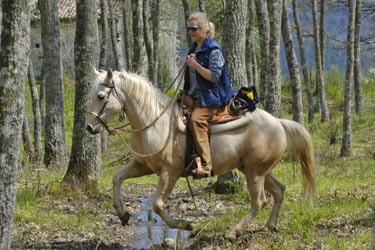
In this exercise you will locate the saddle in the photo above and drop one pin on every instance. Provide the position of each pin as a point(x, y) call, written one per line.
point(245, 100)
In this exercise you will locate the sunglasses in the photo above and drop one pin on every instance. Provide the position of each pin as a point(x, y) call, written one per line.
point(193, 29)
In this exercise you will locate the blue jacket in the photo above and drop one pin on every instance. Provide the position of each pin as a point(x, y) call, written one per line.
point(212, 94)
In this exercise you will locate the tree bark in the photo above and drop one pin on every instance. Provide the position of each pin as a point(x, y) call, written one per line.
point(127, 40)
point(358, 95)
point(264, 41)
point(185, 4)
point(346, 145)
point(104, 34)
point(273, 98)
point(14, 54)
point(55, 145)
point(318, 63)
point(147, 39)
point(234, 41)
point(85, 159)
point(305, 70)
point(251, 58)
point(137, 35)
point(36, 113)
point(293, 66)
point(156, 76)
point(115, 36)
point(26, 138)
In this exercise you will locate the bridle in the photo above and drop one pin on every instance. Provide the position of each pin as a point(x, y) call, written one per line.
point(112, 88)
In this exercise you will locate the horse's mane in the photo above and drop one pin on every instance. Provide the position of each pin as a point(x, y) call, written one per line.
point(144, 93)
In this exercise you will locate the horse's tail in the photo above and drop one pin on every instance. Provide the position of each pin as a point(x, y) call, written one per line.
point(301, 147)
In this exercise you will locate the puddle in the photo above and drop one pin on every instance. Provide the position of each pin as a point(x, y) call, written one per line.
point(152, 231)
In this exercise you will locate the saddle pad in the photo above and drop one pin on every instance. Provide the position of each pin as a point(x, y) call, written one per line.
point(224, 116)
point(217, 128)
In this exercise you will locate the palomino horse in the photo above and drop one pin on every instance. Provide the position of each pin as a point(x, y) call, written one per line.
point(158, 146)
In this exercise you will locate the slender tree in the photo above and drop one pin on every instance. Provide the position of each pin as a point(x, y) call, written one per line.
point(126, 15)
point(292, 65)
point(14, 55)
point(346, 145)
point(251, 58)
point(137, 34)
point(26, 138)
point(185, 4)
point(318, 65)
point(147, 38)
point(264, 41)
point(358, 95)
point(85, 159)
point(55, 153)
point(273, 97)
point(305, 71)
point(104, 33)
point(36, 113)
point(155, 7)
point(115, 36)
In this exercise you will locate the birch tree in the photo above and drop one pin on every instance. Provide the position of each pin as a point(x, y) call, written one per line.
point(346, 145)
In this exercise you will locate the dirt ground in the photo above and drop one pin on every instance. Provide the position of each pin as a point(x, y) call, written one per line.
point(146, 230)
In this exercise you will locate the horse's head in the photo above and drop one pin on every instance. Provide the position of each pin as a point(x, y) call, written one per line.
point(106, 101)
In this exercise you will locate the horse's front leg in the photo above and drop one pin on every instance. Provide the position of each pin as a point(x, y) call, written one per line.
point(131, 170)
point(167, 181)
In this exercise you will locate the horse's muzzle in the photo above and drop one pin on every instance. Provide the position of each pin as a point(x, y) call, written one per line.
point(93, 129)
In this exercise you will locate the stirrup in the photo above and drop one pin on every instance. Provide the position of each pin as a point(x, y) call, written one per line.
point(199, 172)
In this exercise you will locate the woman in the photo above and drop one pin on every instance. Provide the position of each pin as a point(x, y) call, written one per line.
point(207, 82)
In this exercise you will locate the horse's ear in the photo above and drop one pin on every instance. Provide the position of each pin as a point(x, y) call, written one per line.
point(109, 74)
point(96, 72)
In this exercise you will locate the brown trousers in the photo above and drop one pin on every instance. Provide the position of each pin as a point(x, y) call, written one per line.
point(198, 124)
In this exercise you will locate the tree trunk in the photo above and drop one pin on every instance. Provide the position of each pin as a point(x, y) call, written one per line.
point(104, 34)
point(201, 6)
point(36, 113)
point(85, 159)
point(26, 138)
point(234, 35)
point(273, 98)
point(305, 71)
point(115, 36)
point(55, 146)
point(346, 145)
point(127, 43)
point(147, 38)
point(156, 77)
point(318, 63)
point(185, 4)
point(322, 32)
point(14, 54)
point(251, 58)
point(137, 35)
point(264, 41)
point(295, 80)
point(358, 95)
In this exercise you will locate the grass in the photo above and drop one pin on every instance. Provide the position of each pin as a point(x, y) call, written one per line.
point(343, 216)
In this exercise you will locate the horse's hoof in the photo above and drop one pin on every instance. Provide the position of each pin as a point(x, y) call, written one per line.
point(125, 219)
point(189, 227)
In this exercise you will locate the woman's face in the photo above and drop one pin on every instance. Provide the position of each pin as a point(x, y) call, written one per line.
point(197, 34)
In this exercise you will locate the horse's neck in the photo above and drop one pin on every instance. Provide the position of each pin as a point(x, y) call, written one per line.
point(144, 105)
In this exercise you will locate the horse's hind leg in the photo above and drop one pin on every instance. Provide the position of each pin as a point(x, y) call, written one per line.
point(276, 189)
point(131, 170)
point(167, 182)
point(255, 186)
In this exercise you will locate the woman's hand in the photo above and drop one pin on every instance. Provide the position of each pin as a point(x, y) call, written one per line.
point(192, 62)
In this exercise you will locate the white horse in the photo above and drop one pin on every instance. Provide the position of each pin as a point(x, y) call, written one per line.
point(158, 146)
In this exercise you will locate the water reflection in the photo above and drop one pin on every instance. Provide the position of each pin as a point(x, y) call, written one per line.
point(153, 233)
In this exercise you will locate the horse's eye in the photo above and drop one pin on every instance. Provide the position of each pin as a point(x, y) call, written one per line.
point(101, 95)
